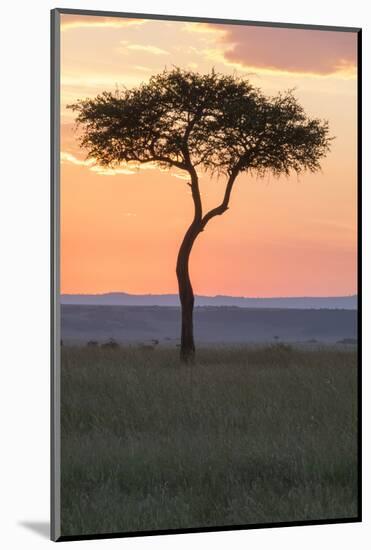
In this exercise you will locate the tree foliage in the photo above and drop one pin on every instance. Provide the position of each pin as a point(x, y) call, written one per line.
point(219, 123)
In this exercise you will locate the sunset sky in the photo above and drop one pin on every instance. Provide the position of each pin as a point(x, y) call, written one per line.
point(121, 230)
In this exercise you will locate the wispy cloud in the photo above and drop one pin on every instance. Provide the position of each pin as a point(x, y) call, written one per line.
point(180, 175)
point(99, 80)
point(128, 169)
point(148, 48)
point(69, 22)
point(205, 29)
point(143, 68)
point(68, 157)
point(111, 171)
point(93, 166)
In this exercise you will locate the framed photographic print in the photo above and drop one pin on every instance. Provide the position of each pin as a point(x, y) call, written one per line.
point(206, 281)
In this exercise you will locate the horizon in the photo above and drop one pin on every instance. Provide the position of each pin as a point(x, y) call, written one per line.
point(115, 292)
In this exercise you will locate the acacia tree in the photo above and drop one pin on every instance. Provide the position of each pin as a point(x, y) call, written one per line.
point(213, 123)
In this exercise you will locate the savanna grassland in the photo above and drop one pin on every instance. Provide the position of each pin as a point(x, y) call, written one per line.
point(246, 436)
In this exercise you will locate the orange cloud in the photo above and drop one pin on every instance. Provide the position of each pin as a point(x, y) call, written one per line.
point(289, 50)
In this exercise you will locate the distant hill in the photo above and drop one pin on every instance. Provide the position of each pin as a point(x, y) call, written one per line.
point(223, 325)
point(172, 300)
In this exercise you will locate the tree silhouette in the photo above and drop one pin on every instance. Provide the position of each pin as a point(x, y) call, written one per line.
point(213, 123)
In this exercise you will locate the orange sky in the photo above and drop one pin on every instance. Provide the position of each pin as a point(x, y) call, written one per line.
point(120, 230)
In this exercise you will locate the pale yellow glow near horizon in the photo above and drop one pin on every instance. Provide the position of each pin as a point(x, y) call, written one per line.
point(286, 237)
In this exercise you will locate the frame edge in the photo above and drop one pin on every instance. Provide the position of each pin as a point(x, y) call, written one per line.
point(55, 528)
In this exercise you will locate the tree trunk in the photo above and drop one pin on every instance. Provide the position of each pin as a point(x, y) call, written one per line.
point(187, 344)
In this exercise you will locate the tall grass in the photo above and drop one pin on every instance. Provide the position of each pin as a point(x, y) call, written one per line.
point(243, 437)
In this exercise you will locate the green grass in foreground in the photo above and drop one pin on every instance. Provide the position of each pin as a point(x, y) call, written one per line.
point(246, 436)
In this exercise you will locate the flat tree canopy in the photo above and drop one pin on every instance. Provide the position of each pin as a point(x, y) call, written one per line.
point(214, 123)
point(217, 121)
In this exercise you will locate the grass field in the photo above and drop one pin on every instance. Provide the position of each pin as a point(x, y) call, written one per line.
point(245, 436)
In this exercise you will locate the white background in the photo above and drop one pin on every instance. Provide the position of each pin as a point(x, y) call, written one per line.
point(24, 257)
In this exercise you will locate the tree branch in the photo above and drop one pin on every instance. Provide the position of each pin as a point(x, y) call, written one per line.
point(223, 206)
point(194, 182)
point(195, 193)
point(160, 158)
point(176, 163)
point(197, 117)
